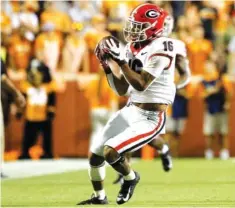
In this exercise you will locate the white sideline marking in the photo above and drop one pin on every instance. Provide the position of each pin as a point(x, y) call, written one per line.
point(29, 168)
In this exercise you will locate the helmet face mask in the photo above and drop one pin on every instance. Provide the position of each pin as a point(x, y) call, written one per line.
point(135, 31)
point(145, 22)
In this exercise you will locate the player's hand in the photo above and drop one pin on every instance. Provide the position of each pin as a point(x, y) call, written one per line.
point(114, 50)
point(227, 106)
point(50, 113)
point(101, 55)
point(19, 100)
point(182, 92)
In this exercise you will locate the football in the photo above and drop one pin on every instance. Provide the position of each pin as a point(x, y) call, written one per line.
point(103, 47)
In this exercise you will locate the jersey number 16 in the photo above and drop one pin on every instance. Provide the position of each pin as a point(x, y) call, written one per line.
point(168, 45)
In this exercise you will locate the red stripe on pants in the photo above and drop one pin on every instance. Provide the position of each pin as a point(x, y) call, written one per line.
point(136, 138)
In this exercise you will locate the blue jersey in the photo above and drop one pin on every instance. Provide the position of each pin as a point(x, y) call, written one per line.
point(180, 107)
point(215, 102)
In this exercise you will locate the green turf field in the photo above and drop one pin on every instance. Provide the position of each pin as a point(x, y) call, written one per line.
point(192, 183)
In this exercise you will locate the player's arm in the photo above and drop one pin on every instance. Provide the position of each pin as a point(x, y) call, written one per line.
point(208, 91)
point(118, 84)
point(10, 87)
point(229, 91)
point(140, 82)
point(182, 65)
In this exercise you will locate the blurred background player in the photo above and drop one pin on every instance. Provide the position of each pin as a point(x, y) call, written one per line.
point(178, 112)
point(18, 99)
point(92, 37)
point(199, 50)
point(177, 117)
point(82, 12)
point(20, 50)
point(57, 17)
point(75, 53)
point(48, 44)
point(39, 91)
point(103, 104)
point(26, 17)
point(216, 91)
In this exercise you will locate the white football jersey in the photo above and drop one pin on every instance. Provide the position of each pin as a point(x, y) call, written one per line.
point(158, 58)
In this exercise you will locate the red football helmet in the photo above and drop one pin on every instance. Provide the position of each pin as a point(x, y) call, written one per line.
point(145, 22)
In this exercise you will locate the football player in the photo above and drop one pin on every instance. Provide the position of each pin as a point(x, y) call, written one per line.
point(19, 101)
point(147, 65)
point(159, 143)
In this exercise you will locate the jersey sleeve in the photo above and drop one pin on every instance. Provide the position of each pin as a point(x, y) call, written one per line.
point(181, 48)
point(157, 63)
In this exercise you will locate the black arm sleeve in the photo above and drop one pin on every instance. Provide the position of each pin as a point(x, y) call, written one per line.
point(51, 99)
point(3, 68)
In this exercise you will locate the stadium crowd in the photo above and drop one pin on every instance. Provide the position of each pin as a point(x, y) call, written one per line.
point(58, 38)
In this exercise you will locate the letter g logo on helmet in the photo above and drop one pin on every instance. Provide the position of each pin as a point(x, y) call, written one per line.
point(152, 13)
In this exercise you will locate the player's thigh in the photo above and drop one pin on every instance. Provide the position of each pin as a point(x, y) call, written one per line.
point(222, 119)
point(100, 114)
point(116, 124)
point(170, 124)
point(180, 125)
point(137, 135)
point(209, 124)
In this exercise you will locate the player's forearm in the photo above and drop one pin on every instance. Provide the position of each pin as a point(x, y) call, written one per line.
point(51, 99)
point(184, 80)
point(118, 84)
point(133, 78)
point(228, 97)
point(182, 65)
point(19, 99)
point(9, 86)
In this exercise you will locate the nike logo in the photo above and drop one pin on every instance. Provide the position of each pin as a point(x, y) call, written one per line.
point(127, 196)
point(143, 53)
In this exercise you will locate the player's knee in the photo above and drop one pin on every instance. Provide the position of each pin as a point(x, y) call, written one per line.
point(96, 160)
point(97, 168)
point(110, 154)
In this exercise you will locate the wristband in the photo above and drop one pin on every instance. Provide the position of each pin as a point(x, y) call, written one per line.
point(107, 69)
point(121, 62)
